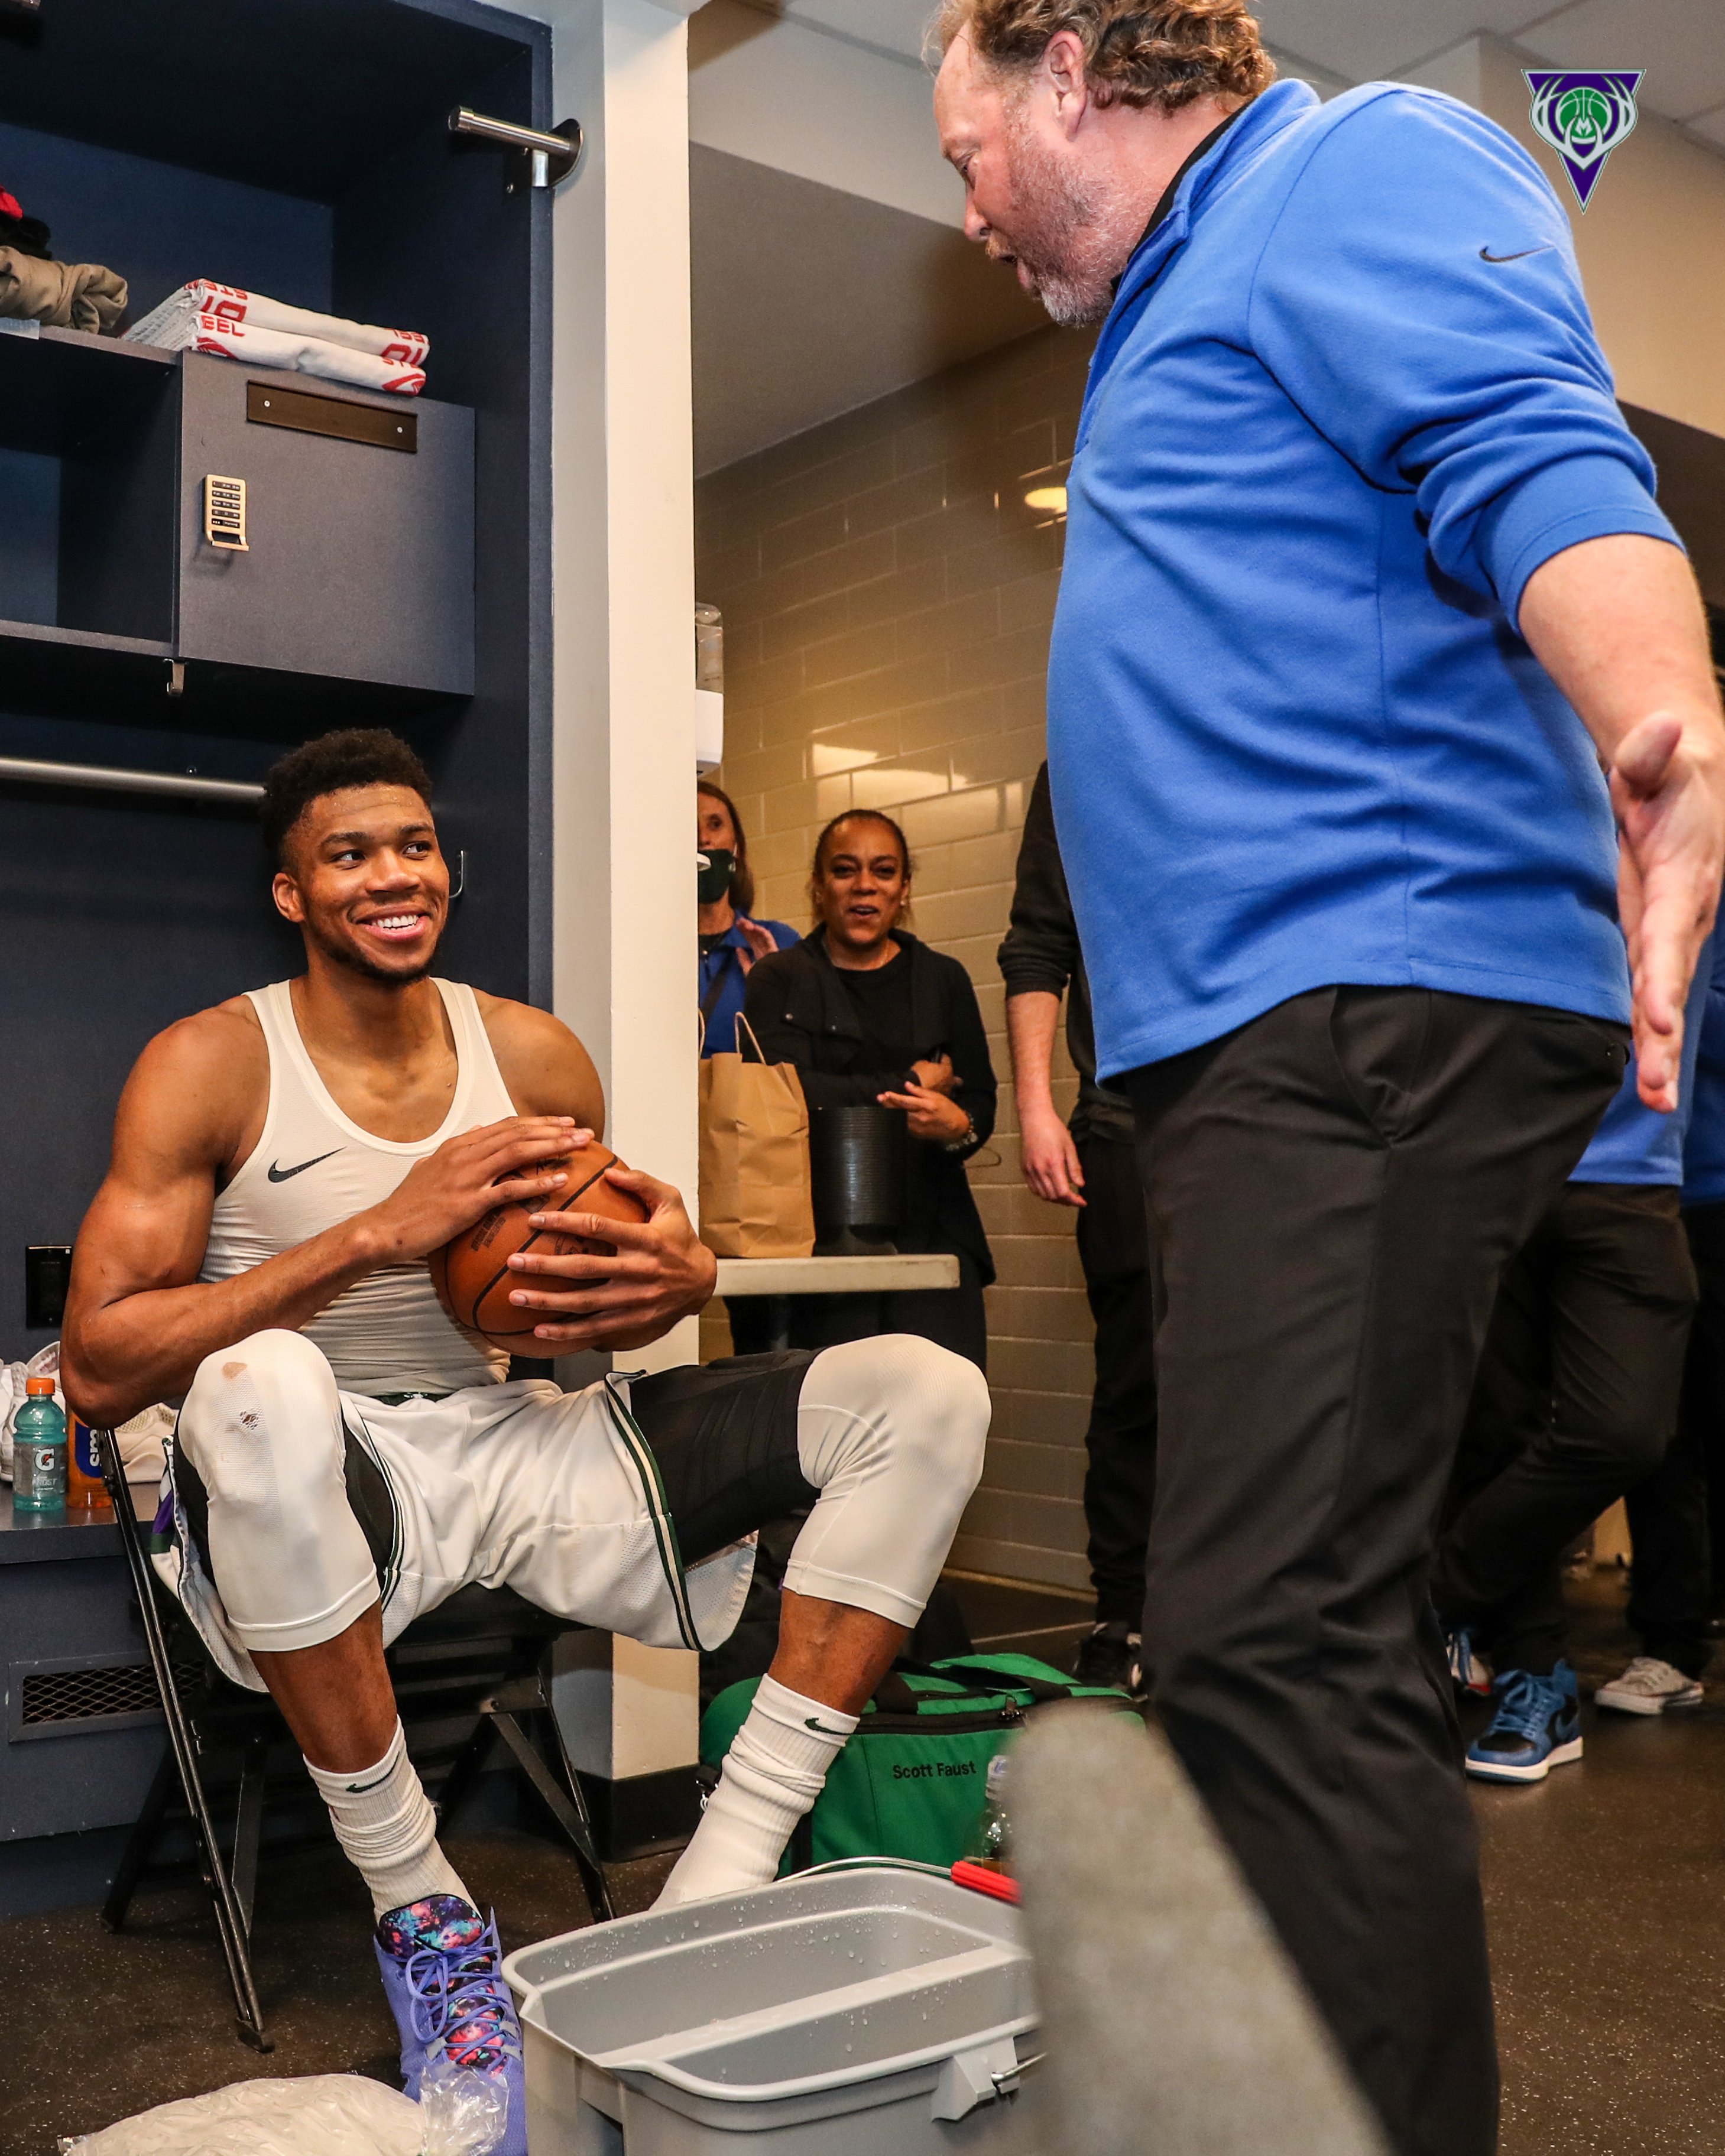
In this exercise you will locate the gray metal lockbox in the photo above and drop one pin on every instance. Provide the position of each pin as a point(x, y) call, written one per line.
point(357, 554)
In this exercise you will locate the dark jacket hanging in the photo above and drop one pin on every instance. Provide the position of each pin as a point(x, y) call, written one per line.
point(802, 1014)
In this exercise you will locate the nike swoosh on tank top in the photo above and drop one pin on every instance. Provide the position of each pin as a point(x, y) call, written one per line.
point(313, 1168)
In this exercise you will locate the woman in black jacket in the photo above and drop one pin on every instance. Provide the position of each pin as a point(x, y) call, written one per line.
point(868, 1014)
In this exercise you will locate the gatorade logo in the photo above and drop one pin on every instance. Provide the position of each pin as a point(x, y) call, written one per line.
point(931, 1770)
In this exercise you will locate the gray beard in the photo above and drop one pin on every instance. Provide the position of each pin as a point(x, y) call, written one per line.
point(1069, 303)
point(1064, 253)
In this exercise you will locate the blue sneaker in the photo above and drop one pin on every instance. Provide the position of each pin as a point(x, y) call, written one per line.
point(1536, 1727)
point(443, 1976)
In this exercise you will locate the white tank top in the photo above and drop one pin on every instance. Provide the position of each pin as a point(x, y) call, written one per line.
point(313, 1169)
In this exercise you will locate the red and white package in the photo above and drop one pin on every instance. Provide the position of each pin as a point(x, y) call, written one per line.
point(304, 354)
point(172, 325)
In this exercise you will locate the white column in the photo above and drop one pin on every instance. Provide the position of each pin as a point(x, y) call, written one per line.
point(622, 566)
point(624, 571)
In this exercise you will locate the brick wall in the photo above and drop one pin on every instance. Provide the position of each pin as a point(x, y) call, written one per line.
point(887, 595)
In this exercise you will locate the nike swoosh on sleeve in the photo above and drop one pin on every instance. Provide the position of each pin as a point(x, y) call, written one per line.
point(277, 1173)
point(1486, 255)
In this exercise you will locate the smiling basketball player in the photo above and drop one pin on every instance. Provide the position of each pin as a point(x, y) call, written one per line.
point(346, 1458)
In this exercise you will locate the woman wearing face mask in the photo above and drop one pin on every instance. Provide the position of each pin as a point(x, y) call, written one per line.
point(870, 1014)
point(725, 894)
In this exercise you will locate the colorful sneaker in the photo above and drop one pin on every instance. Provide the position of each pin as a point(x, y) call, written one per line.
point(1648, 1687)
point(1112, 1655)
point(1536, 1727)
point(1469, 1669)
point(443, 1976)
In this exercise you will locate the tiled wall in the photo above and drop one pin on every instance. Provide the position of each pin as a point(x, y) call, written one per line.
point(887, 596)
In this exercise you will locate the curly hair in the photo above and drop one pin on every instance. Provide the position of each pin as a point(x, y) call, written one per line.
point(1164, 52)
point(358, 755)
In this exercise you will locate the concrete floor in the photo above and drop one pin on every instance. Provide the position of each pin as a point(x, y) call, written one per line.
point(1605, 1895)
point(1606, 1886)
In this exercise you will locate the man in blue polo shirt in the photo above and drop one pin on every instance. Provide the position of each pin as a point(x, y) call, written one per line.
point(1364, 582)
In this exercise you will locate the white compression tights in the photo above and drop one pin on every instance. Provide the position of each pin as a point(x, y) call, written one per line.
point(890, 1431)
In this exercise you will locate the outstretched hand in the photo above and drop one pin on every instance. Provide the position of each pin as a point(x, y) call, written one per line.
point(1618, 623)
point(1669, 798)
point(662, 1272)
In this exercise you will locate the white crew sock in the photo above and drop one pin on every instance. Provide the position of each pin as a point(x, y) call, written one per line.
point(772, 1774)
point(383, 1820)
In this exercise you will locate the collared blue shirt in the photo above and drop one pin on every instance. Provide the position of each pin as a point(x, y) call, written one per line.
point(725, 965)
point(1348, 398)
point(1704, 1147)
point(1635, 1143)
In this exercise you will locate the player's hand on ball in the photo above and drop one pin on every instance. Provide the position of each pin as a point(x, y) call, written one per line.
point(662, 1271)
point(467, 1176)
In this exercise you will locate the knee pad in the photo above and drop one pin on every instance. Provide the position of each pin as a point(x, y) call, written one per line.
point(943, 1406)
point(890, 1432)
point(262, 1423)
point(903, 1399)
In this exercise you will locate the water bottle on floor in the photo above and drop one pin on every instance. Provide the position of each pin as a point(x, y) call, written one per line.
point(990, 1844)
point(38, 1451)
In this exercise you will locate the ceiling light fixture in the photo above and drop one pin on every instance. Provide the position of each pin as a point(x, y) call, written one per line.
point(1052, 498)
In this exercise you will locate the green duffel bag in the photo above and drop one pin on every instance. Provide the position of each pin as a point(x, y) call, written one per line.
point(911, 1782)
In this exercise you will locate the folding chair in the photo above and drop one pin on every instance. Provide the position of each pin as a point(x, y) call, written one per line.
point(482, 1652)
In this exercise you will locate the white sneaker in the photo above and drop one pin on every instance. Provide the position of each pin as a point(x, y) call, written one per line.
point(1648, 1687)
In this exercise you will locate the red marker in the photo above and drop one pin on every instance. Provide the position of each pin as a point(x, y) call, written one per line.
point(981, 1880)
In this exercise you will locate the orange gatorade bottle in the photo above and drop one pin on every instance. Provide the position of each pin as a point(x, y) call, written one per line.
point(84, 1487)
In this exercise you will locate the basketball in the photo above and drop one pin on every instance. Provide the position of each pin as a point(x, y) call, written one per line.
point(471, 1272)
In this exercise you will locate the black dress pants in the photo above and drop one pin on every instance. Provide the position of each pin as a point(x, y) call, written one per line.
point(1334, 1191)
point(1120, 1474)
point(1672, 1586)
point(1575, 1403)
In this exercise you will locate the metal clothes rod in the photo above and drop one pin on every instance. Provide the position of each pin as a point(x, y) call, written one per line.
point(110, 778)
point(555, 155)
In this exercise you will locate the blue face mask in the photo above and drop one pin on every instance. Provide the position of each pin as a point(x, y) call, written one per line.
point(712, 882)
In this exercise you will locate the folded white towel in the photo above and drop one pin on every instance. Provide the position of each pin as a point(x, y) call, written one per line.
point(305, 355)
point(171, 326)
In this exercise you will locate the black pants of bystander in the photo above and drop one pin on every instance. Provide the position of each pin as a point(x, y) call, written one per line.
point(1120, 1442)
point(1575, 1404)
point(1335, 1189)
point(1672, 1585)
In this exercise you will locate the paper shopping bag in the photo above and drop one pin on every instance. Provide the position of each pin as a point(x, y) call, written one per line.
point(755, 1196)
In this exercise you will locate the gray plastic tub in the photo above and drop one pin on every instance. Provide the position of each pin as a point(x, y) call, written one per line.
point(855, 2012)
